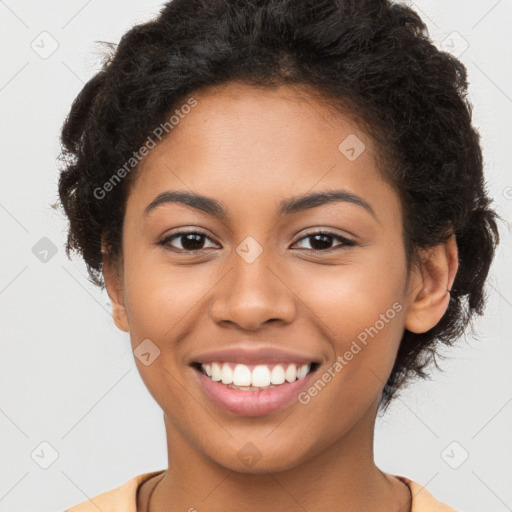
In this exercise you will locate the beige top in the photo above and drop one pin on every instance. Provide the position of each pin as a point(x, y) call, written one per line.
point(124, 498)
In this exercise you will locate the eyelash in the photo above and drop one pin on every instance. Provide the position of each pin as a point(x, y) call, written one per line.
point(346, 243)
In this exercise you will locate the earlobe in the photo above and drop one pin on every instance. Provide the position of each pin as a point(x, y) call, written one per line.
point(429, 292)
point(112, 277)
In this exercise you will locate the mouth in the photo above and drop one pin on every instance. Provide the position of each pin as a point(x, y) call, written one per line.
point(252, 377)
point(253, 389)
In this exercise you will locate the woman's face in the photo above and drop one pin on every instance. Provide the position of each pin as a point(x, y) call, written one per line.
point(257, 283)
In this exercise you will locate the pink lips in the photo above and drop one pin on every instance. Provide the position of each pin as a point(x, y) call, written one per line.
point(252, 403)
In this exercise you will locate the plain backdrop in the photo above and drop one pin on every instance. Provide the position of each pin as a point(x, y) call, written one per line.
point(71, 396)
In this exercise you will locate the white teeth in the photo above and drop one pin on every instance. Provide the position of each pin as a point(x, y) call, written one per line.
point(242, 375)
point(277, 374)
point(291, 373)
point(260, 377)
point(303, 371)
point(216, 372)
point(227, 374)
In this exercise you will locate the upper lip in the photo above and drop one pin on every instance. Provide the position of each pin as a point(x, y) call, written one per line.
point(253, 355)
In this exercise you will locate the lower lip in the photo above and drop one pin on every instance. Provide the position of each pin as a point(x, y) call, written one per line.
point(252, 403)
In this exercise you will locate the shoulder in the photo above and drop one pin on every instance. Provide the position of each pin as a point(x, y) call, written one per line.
point(120, 499)
point(422, 500)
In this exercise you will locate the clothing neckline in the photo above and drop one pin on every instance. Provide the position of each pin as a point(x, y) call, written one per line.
point(157, 481)
point(154, 474)
point(125, 498)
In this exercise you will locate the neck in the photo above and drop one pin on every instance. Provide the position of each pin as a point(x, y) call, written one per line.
point(340, 476)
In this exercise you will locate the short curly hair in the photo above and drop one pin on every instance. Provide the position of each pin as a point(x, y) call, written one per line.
point(370, 59)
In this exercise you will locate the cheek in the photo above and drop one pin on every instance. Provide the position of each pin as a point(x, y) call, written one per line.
point(359, 309)
point(363, 322)
point(160, 301)
point(160, 297)
point(352, 295)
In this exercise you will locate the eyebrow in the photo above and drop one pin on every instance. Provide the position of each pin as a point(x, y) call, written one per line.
point(287, 207)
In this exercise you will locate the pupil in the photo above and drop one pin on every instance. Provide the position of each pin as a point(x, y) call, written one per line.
point(324, 241)
point(191, 241)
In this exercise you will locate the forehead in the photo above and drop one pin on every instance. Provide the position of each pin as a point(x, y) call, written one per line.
point(248, 145)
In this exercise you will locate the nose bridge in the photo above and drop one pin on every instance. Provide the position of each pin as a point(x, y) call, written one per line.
point(252, 293)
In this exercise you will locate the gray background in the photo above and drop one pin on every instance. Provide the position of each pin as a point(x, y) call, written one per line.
point(67, 374)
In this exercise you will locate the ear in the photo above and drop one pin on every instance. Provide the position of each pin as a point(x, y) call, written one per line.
point(429, 290)
point(112, 275)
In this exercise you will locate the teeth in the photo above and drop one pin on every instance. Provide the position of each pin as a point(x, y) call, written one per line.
point(303, 370)
point(291, 373)
point(260, 377)
point(241, 375)
point(216, 372)
point(277, 375)
point(227, 374)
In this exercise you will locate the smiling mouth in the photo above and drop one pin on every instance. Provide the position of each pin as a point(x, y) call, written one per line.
point(250, 377)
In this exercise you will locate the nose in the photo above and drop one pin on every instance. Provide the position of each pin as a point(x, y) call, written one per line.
point(251, 295)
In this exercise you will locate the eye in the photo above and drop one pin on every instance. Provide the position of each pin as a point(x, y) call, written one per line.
point(322, 240)
point(189, 241)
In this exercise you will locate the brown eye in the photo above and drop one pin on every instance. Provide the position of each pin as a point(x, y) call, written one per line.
point(322, 241)
point(188, 241)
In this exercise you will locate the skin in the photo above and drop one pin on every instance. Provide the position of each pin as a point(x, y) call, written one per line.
point(250, 149)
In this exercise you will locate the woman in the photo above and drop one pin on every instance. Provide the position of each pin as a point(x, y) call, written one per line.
point(285, 203)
